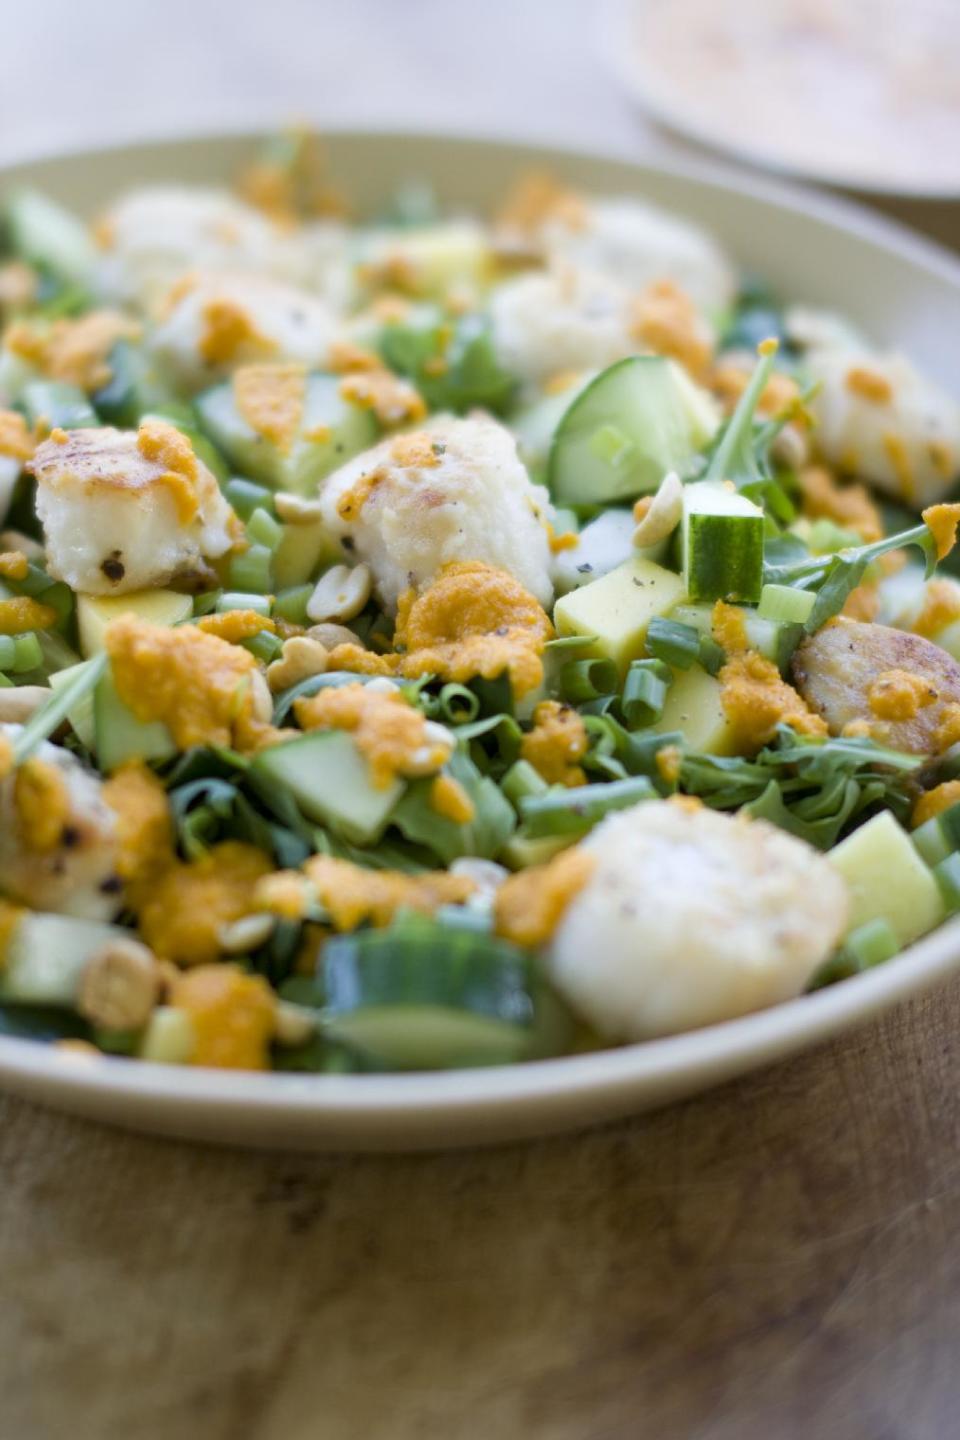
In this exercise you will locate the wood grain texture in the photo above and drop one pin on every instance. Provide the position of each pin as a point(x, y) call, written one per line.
point(779, 1259)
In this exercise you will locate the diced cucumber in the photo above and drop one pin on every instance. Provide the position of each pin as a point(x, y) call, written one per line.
point(722, 541)
point(423, 996)
point(81, 716)
point(47, 955)
point(48, 236)
point(330, 781)
point(694, 707)
point(340, 430)
point(887, 879)
point(603, 544)
point(156, 607)
point(58, 404)
point(120, 736)
point(617, 609)
point(638, 420)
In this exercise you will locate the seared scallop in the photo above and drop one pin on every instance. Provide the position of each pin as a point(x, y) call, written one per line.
point(897, 688)
point(128, 510)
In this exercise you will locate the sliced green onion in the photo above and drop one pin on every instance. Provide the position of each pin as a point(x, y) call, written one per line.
point(265, 647)
point(712, 656)
point(457, 704)
point(242, 600)
point(521, 781)
point(947, 875)
point(291, 604)
point(872, 944)
point(44, 721)
point(785, 605)
point(8, 651)
point(672, 642)
point(263, 529)
point(582, 680)
point(246, 497)
point(252, 570)
point(206, 603)
point(574, 812)
point(645, 693)
point(27, 653)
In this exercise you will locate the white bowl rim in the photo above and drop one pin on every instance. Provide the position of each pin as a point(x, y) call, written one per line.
point(715, 1052)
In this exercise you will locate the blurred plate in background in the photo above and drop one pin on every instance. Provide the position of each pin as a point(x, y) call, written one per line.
point(863, 94)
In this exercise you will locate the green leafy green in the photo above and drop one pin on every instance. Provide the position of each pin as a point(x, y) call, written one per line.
point(451, 361)
point(814, 788)
point(492, 825)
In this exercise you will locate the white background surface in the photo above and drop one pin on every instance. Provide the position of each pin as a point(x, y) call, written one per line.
point(74, 72)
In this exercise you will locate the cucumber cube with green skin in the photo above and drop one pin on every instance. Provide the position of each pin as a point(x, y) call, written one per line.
point(617, 609)
point(330, 781)
point(339, 429)
point(887, 879)
point(638, 420)
point(722, 539)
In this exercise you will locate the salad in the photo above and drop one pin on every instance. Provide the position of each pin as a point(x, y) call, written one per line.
point(433, 641)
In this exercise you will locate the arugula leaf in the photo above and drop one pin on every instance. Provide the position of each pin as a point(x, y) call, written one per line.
point(493, 823)
point(814, 788)
point(452, 362)
point(835, 576)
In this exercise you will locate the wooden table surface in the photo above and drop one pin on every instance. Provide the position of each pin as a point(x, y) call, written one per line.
point(778, 1259)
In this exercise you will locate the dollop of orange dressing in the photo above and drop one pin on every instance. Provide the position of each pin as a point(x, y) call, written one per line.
point(41, 802)
point(198, 685)
point(144, 826)
point(934, 802)
point(232, 1014)
point(189, 903)
point(13, 565)
point(236, 625)
point(165, 446)
point(756, 699)
point(900, 695)
point(10, 917)
point(390, 734)
point(847, 505)
point(16, 439)
point(555, 745)
point(74, 351)
point(473, 620)
point(22, 613)
point(451, 801)
point(229, 331)
point(392, 400)
point(942, 522)
point(271, 399)
point(941, 606)
point(728, 626)
point(666, 321)
point(529, 906)
point(355, 896)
